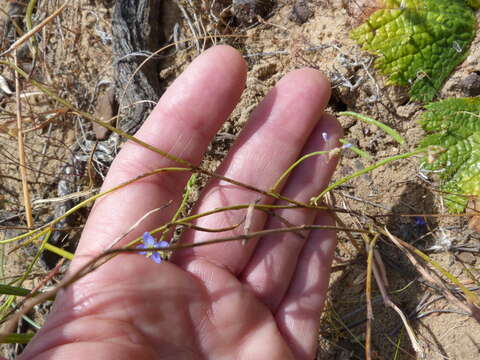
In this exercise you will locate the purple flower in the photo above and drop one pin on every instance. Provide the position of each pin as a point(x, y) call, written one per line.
point(420, 221)
point(150, 242)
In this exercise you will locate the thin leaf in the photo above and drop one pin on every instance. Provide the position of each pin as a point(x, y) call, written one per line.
point(395, 135)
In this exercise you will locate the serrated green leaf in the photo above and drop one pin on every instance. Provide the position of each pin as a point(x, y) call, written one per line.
point(419, 42)
point(454, 127)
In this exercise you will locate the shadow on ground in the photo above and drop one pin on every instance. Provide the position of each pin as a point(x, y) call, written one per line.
point(344, 325)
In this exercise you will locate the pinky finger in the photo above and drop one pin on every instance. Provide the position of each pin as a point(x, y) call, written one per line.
point(298, 316)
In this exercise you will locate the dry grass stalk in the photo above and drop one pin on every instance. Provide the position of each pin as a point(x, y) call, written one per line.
point(21, 150)
point(36, 29)
point(249, 219)
point(379, 279)
point(350, 236)
point(368, 292)
point(432, 276)
point(139, 221)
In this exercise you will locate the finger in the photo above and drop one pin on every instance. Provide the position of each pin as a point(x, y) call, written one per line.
point(271, 141)
point(298, 315)
point(182, 124)
point(271, 268)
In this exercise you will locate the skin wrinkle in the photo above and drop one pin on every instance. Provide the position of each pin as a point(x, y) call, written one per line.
point(251, 338)
point(273, 264)
point(223, 195)
point(183, 144)
point(260, 323)
point(324, 255)
point(262, 132)
point(66, 353)
point(211, 314)
point(253, 157)
point(130, 167)
point(194, 123)
point(67, 338)
point(206, 320)
point(259, 163)
point(285, 133)
point(226, 328)
point(187, 129)
point(232, 269)
point(128, 309)
point(81, 293)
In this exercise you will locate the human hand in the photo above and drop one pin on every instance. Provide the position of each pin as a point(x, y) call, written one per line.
point(222, 301)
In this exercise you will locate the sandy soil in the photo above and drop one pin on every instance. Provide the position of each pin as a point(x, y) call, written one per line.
point(77, 64)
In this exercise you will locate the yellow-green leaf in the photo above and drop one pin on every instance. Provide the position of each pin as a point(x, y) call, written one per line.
point(419, 42)
point(454, 128)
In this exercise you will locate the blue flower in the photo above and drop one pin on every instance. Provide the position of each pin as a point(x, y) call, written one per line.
point(150, 242)
point(420, 221)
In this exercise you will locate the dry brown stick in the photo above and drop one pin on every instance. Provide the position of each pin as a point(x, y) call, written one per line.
point(379, 279)
point(36, 29)
point(380, 267)
point(431, 276)
point(368, 293)
point(21, 149)
point(354, 242)
point(350, 236)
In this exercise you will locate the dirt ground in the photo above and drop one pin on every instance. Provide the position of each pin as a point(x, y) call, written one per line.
point(77, 63)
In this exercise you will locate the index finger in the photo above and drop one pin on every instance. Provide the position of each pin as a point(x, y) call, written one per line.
point(182, 124)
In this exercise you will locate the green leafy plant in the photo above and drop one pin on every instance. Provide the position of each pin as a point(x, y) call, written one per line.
point(454, 142)
point(419, 42)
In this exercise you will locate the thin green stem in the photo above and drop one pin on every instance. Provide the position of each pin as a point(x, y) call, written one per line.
point(173, 158)
point(294, 165)
point(316, 199)
point(28, 22)
point(356, 150)
point(60, 252)
point(88, 201)
point(188, 190)
point(189, 219)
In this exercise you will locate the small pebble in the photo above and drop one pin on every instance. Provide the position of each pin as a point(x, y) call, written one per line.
point(247, 11)
point(105, 112)
point(467, 258)
point(300, 12)
point(471, 84)
point(90, 20)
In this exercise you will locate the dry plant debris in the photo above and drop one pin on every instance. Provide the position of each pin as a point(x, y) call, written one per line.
point(75, 59)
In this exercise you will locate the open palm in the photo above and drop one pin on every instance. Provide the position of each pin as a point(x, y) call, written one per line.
point(259, 300)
